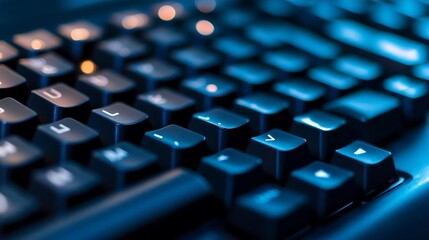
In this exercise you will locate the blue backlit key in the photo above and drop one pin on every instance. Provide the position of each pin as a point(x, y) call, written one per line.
point(372, 116)
point(16, 118)
point(280, 151)
point(235, 48)
point(264, 111)
point(324, 132)
point(176, 146)
point(12, 84)
point(9, 54)
point(287, 61)
point(36, 42)
point(302, 94)
point(388, 16)
point(373, 167)
point(328, 187)
point(336, 83)
point(165, 107)
point(413, 93)
point(271, 212)
point(106, 87)
point(210, 90)
point(269, 34)
point(152, 74)
point(250, 76)
point(122, 164)
point(118, 122)
point(196, 60)
point(46, 69)
point(367, 71)
point(277, 8)
point(59, 101)
point(166, 39)
point(66, 139)
point(222, 128)
point(115, 53)
point(238, 17)
point(17, 205)
point(62, 186)
point(231, 173)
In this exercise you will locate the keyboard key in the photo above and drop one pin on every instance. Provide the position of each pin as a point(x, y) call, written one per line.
point(302, 94)
point(264, 111)
point(269, 34)
point(270, 212)
point(277, 8)
point(209, 91)
point(413, 94)
point(373, 166)
point(45, 70)
point(66, 139)
point(231, 173)
point(116, 53)
point(166, 107)
point(387, 16)
point(118, 122)
point(175, 146)
point(106, 87)
point(280, 151)
point(59, 101)
point(222, 128)
point(372, 116)
point(17, 205)
point(79, 38)
point(153, 73)
point(16, 118)
point(8, 54)
point(122, 164)
point(36, 42)
point(287, 61)
point(62, 186)
point(137, 206)
point(250, 76)
point(17, 159)
point(336, 83)
point(166, 39)
point(12, 84)
point(196, 60)
point(128, 22)
point(324, 132)
point(238, 17)
point(235, 48)
point(367, 71)
point(328, 187)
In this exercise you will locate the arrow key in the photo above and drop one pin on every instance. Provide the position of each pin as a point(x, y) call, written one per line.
point(374, 167)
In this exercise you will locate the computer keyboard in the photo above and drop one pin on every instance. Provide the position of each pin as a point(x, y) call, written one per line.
point(218, 120)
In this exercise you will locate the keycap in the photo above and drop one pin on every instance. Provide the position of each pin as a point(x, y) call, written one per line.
point(413, 94)
point(419, 27)
point(16, 118)
point(152, 74)
point(196, 60)
point(270, 212)
point(66, 139)
point(209, 90)
point(128, 22)
point(59, 101)
point(280, 151)
point(287, 61)
point(235, 48)
point(122, 164)
point(367, 71)
point(17, 159)
point(79, 38)
point(36, 42)
point(277, 8)
point(16, 205)
point(392, 47)
point(165, 107)
point(12, 84)
point(328, 187)
point(62, 186)
point(166, 39)
point(105, 87)
point(321, 12)
point(238, 17)
point(421, 71)
point(140, 214)
point(324, 132)
point(175, 146)
point(336, 83)
point(45, 70)
point(8, 54)
point(269, 33)
point(372, 116)
point(116, 52)
point(231, 173)
point(374, 167)
point(302, 94)
point(386, 15)
point(222, 128)
point(412, 8)
point(118, 122)
point(264, 111)
point(250, 76)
